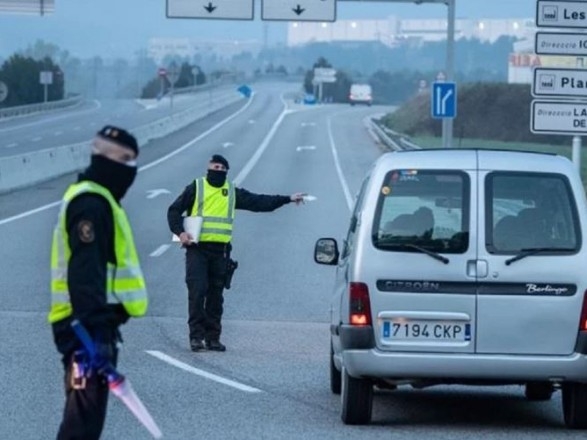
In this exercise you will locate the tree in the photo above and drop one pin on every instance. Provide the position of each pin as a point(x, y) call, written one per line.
point(22, 76)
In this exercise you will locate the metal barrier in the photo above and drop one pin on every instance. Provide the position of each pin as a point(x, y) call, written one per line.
point(392, 140)
point(23, 110)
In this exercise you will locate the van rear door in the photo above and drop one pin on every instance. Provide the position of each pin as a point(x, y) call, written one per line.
point(529, 302)
point(421, 268)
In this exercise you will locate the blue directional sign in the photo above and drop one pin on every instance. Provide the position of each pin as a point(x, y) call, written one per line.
point(245, 91)
point(444, 100)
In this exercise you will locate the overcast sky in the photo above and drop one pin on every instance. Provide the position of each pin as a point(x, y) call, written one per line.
point(119, 27)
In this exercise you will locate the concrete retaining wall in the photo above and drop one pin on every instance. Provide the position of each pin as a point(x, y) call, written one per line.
point(38, 166)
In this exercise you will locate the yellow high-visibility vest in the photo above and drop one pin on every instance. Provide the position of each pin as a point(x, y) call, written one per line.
point(125, 283)
point(216, 206)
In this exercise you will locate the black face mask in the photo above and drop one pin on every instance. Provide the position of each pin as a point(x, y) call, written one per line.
point(114, 176)
point(216, 178)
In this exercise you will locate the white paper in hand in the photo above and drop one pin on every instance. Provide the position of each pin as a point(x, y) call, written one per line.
point(193, 226)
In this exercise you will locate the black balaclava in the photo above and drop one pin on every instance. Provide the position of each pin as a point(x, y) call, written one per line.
point(216, 178)
point(114, 176)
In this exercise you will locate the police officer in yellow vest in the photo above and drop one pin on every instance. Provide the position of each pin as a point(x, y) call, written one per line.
point(215, 199)
point(95, 276)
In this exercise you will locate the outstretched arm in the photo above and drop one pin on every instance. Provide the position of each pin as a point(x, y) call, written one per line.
point(249, 201)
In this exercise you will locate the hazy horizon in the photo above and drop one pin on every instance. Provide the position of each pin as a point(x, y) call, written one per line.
point(87, 28)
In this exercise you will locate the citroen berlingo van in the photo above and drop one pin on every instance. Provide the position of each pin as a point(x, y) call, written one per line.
point(462, 267)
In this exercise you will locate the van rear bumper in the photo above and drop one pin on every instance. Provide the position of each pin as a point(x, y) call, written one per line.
point(380, 364)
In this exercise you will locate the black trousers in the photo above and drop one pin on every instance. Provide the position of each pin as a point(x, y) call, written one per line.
point(85, 408)
point(205, 277)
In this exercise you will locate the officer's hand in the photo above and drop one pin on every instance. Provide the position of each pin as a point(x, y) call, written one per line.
point(186, 238)
point(297, 198)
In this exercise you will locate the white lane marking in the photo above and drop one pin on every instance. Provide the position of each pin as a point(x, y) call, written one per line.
point(152, 193)
point(251, 121)
point(202, 373)
point(255, 158)
point(308, 124)
point(197, 139)
point(160, 250)
point(36, 139)
point(343, 182)
point(58, 133)
point(77, 128)
point(29, 213)
point(144, 167)
point(12, 145)
point(306, 147)
point(227, 144)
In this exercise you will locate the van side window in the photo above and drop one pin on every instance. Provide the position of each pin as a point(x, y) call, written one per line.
point(426, 208)
point(348, 243)
point(529, 211)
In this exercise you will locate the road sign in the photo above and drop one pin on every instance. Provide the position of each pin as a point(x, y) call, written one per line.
point(298, 10)
point(3, 91)
point(558, 117)
point(245, 91)
point(444, 100)
point(561, 14)
point(211, 9)
point(560, 82)
point(162, 71)
point(46, 77)
point(557, 43)
point(324, 75)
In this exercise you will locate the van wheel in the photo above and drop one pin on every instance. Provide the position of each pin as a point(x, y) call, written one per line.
point(357, 400)
point(335, 376)
point(575, 405)
point(539, 391)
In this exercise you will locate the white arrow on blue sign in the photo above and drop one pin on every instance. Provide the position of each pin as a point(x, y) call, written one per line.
point(444, 100)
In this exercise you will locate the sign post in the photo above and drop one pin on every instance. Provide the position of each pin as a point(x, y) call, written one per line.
point(46, 79)
point(323, 75)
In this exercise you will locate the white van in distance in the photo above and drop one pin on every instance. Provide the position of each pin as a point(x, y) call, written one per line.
point(361, 94)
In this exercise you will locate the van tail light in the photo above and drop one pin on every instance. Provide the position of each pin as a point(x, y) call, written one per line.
point(360, 305)
point(583, 322)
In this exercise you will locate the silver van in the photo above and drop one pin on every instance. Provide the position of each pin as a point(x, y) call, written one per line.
point(462, 267)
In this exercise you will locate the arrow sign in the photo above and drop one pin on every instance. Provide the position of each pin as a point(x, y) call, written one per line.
point(219, 9)
point(209, 7)
point(152, 193)
point(298, 9)
point(301, 10)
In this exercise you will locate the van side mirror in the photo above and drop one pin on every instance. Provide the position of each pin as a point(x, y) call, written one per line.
point(326, 251)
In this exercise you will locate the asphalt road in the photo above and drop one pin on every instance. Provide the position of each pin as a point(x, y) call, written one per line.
point(79, 123)
point(272, 382)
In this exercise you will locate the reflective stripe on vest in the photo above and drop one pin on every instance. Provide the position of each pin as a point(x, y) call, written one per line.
point(216, 206)
point(125, 283)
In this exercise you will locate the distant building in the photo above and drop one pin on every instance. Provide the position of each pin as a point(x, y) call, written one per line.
point(159, 48)
point(392, 30)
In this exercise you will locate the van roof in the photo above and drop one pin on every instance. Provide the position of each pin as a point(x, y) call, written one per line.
point(473, 158)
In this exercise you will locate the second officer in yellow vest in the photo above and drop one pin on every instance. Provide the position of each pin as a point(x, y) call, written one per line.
point(95, 277)
point(215, 199)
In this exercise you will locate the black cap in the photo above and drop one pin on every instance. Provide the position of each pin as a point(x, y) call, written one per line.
point(217, 158)
point(120, 136)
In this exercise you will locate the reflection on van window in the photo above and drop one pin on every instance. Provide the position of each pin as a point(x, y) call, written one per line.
point(529, 211)
point(429, 209)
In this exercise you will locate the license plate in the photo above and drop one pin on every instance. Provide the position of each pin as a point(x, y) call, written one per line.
point(426, 331)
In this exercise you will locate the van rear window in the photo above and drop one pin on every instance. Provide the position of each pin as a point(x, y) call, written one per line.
point(426, 208)
point(530, 211)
